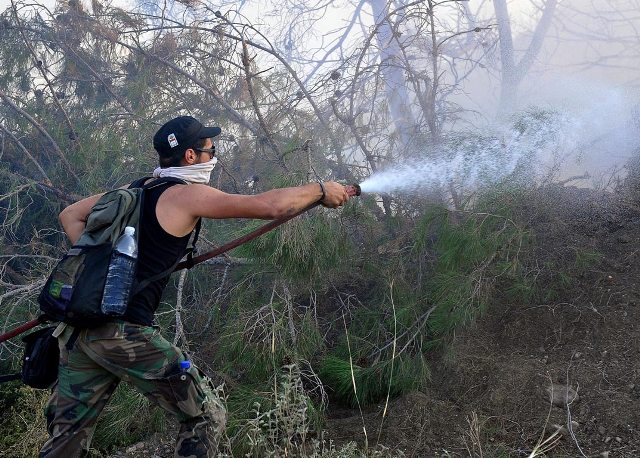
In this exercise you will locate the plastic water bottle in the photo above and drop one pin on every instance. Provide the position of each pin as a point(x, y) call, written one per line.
point(121, 274)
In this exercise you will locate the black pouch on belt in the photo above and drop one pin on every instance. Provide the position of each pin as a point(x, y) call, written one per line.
point(41, 358)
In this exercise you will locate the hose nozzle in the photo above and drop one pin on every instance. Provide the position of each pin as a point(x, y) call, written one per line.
point(353, 190)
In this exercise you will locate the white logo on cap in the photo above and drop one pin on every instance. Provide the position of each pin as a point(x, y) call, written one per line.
point(172, 140)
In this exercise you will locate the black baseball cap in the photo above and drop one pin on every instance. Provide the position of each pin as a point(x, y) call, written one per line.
point(181, 133)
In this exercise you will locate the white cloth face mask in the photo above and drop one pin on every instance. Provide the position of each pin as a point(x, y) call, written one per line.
point(195, 173)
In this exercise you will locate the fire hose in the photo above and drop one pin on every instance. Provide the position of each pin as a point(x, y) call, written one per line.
point(352, 190)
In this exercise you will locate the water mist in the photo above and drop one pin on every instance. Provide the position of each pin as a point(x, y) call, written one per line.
point(593, 135)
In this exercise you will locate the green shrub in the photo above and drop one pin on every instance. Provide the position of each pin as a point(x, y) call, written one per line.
point(473, 251)
point(274, 422)
point(308, 250)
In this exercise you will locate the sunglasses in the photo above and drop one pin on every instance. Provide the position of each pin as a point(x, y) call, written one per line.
point(211, 151)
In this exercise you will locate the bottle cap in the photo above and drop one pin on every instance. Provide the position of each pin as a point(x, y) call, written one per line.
point(129, 230)
point(184, 365)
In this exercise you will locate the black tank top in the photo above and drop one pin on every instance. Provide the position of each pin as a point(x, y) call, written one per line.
point(157, 252)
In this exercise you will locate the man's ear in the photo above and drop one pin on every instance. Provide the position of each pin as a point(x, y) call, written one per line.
point(190, 156)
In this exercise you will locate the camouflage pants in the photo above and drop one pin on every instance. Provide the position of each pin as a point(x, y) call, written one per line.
point(101, 357)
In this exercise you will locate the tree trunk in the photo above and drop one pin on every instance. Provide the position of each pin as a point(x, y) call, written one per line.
point(514, 72)
point(392, 69)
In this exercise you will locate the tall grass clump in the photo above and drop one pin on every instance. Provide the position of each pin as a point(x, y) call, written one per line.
point(379, 351)
point(372, 383)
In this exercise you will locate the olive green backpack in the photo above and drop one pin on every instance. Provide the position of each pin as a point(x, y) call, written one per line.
point(73, 292)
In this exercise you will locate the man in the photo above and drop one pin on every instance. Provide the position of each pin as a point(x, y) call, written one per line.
point(131, 349)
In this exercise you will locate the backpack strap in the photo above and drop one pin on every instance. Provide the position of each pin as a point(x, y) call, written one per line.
point(192, 249)
point(139, 183)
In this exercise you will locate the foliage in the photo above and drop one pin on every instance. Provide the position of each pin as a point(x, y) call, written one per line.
point(307, 250)
point(22, 421)
point(256, 345)
point(284, 422)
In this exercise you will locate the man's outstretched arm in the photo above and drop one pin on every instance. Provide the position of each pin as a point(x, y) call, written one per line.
point(209, 202)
